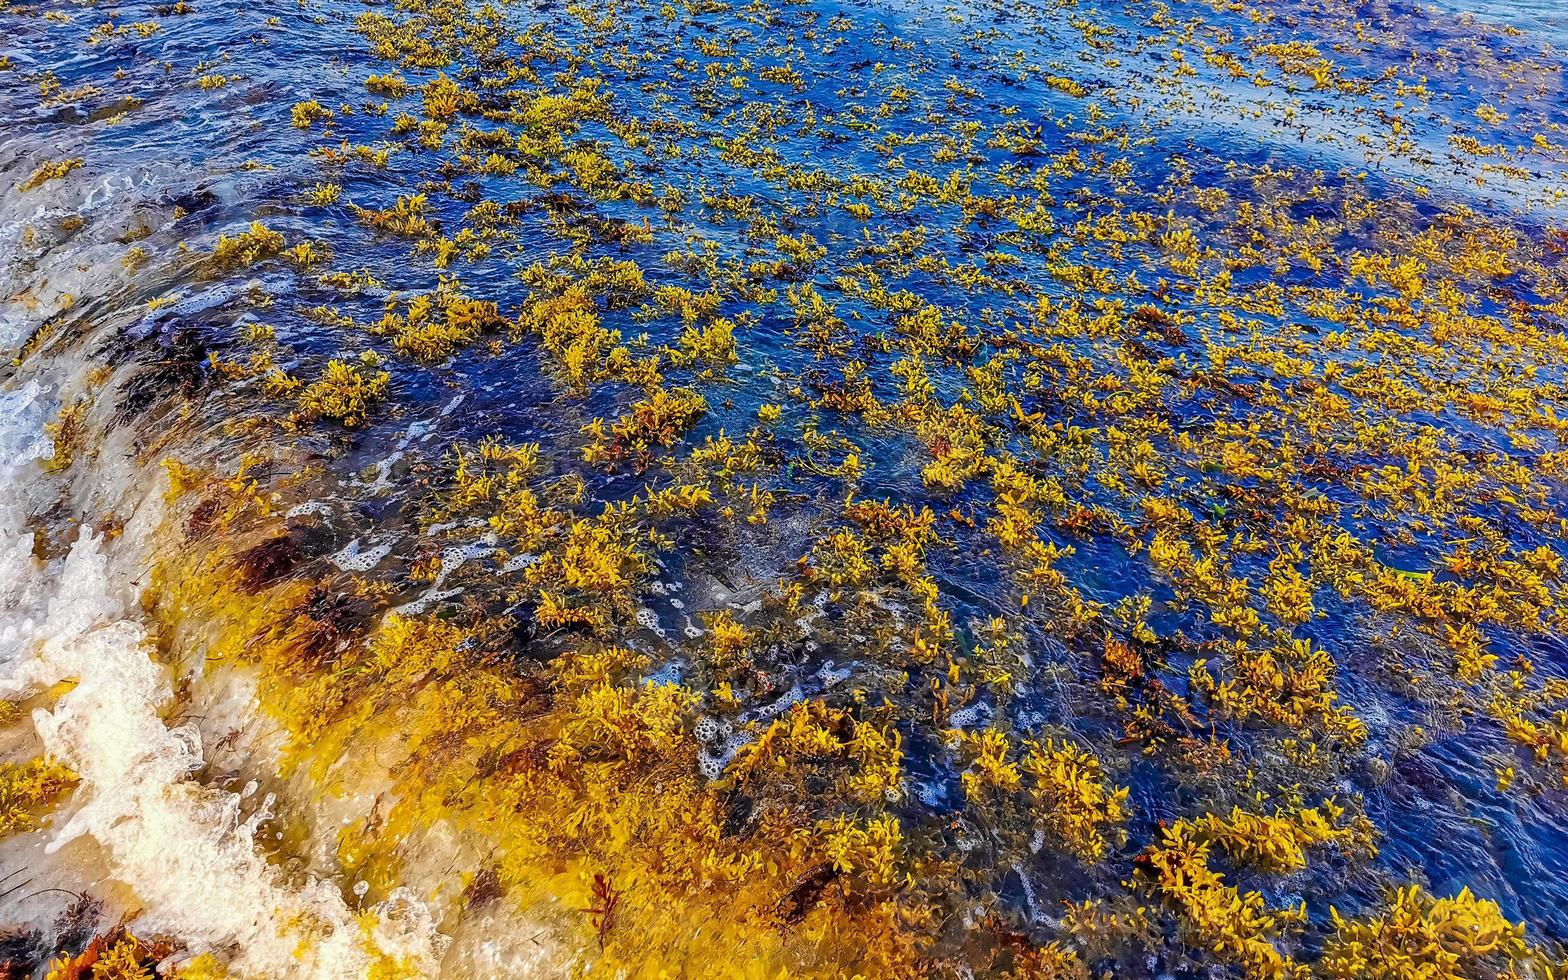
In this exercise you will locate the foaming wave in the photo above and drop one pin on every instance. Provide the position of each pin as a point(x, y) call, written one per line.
point(183, 848)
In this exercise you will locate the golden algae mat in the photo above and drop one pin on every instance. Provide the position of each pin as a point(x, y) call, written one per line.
point(1009, 489)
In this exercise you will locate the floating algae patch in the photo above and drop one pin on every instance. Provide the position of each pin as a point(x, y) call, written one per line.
point(1037, 489)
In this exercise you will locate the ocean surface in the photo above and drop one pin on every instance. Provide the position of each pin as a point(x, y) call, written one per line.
point(1543, 19)
point(1001, 489)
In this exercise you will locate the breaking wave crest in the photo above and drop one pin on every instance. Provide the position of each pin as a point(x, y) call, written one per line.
point(187, 852)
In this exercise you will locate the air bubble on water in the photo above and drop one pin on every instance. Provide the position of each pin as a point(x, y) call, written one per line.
point(706, 729)
point(383, 470)
point(519, 562)
point(657, 587)
point(786, 701)
point(670, 673)
point(316, 507)
point(974, 714)
point(692, 630)
point(353, 558)
point(1029, 897)
point(713, 763)
point(418, 606)
point(832, 675)
point(677, 604)
point(1030, 719)
point(456, 557)
point(649, 620)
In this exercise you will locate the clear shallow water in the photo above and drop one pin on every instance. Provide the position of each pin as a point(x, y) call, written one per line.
point(1086, 378)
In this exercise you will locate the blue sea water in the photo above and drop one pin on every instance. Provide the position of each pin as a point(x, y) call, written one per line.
point(1545, 20)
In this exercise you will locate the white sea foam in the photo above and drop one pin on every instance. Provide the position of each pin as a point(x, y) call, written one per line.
point(184, 849)
point(353, 558)
point(974, 715)
point(419, 605)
